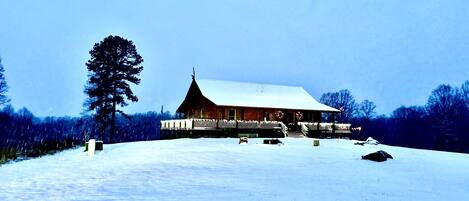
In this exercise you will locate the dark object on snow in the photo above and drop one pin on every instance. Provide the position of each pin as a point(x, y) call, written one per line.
point(272, 141)
point(98, 146)
point(378, 156)
point(386, 154)
point(359, 143)
point(316, 142)
point(243, 140)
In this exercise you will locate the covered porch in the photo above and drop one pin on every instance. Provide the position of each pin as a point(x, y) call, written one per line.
point(193, 128)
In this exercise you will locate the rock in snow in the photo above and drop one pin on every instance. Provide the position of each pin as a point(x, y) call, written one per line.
point(221, 169)
point(378, 156)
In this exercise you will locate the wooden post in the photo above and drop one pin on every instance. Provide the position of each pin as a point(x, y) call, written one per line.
point(333, 123)
point(318, 126)
point(223, 113)
point(236, 127)
point(294, 117)
point(91, 147)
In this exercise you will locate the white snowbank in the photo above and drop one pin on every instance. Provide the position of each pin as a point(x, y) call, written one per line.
point(221, 169)
point(371, 141)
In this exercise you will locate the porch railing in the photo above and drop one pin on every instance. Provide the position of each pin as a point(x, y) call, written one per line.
point(213, 124)
point(324, 127)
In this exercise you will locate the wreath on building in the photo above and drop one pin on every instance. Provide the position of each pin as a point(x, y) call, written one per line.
point(299, 115)
point(279, 114)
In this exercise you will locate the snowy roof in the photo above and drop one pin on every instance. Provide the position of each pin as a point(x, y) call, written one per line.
point(229, 93)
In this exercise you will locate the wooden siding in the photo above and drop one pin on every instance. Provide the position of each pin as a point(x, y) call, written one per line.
point(195, 105)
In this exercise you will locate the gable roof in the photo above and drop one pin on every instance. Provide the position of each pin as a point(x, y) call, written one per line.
point(229, 93)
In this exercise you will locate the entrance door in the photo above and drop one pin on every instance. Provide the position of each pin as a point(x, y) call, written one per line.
point(288, 118)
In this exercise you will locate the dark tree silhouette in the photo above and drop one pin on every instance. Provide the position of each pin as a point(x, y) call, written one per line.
point(23, 135)
point(366, 109)
point(342, 100)
point(444, 104)
point(113, 66)
point(411, 127)
point(413, 112)
point(446, 108)
point(464, 120)
point(465, 93)
point(3, 86)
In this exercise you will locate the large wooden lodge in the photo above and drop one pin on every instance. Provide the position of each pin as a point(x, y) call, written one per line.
point(215, 108)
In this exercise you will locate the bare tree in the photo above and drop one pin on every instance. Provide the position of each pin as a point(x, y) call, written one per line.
point(366, 109)
point(444, 103)
point(413, 112)
point(342, 100)
point(446, 108)
point(465, 93)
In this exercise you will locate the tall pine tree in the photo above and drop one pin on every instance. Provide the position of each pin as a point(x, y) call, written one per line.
point(3, 86)
point(113, 66)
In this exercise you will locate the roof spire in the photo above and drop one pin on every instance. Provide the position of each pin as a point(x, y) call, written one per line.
point(193, 73)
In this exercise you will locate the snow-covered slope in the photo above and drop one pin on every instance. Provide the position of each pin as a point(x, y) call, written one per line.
point(220, 169)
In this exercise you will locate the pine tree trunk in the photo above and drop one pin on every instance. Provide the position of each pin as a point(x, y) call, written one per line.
point(113, 117)
point(101, 130)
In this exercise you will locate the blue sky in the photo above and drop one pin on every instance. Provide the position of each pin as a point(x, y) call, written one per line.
point(393, 52)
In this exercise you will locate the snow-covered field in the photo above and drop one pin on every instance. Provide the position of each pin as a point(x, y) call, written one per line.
point(220, 169)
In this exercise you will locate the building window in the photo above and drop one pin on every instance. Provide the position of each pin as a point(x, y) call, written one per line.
point(232, 114)
point(201, 113)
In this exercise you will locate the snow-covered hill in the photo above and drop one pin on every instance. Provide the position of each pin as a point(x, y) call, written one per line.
point(220, 169)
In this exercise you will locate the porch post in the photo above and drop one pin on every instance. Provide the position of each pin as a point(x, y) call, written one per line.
point(218, 114)
point(319, 121)
point(223, 113)
point(333, 123)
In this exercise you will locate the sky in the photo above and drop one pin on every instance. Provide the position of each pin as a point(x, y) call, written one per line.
point(392, 52)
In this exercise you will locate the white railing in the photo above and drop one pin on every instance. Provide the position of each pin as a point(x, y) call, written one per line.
point(180, 124)
point(343, 126)
point(207, 124)
point(226, 123)
point(328, 127)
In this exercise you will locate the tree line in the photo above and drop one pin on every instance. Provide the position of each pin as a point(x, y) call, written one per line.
point(24, 135)
point(441, 124)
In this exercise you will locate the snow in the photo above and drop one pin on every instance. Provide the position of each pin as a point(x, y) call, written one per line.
point(229, 93)
point(221, 169)
point(371, 141)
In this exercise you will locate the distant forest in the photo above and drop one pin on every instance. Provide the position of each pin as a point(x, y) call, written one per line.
point(24, 135)
point(441, 124)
